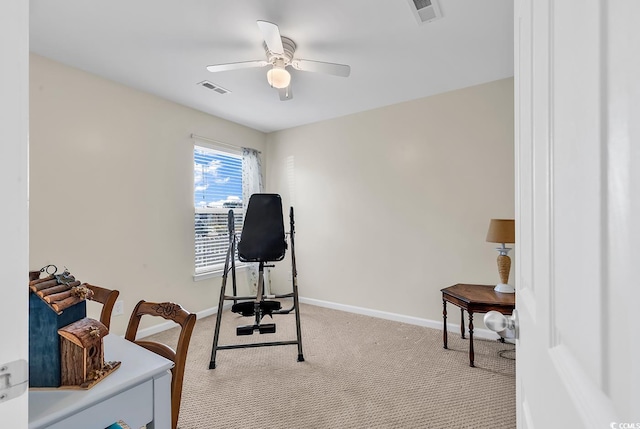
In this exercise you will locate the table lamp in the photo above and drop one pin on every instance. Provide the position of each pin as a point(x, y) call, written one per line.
point(502, 231)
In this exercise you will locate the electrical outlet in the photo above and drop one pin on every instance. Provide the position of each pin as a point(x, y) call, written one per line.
point(118, 308)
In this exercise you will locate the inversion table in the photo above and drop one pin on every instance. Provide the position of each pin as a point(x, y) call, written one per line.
point(263, 240)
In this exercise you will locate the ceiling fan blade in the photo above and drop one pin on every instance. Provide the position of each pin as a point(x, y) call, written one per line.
point(285, 93)
point(342, 70)
point(271, 36)
point(237, 66)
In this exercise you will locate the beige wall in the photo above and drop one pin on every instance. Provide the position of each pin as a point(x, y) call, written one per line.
point(393, 204)
point(111, 186)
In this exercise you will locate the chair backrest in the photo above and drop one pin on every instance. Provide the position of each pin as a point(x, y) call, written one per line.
point(187, 321)
point(107, 297)
point(262, 238)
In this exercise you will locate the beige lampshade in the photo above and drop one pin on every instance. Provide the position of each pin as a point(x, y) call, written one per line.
point(502, 231)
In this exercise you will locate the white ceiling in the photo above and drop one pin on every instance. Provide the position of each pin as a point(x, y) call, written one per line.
point(163, 46)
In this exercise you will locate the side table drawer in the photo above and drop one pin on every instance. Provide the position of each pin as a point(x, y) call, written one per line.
point(134, 407)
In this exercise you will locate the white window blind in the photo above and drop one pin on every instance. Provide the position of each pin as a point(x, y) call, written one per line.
point(217, 189)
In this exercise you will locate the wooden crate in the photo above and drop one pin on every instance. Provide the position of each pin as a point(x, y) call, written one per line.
point(44, 341)
point(54, 301)
point(65, 348)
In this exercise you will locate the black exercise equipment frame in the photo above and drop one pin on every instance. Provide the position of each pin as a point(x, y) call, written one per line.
point(259, 298)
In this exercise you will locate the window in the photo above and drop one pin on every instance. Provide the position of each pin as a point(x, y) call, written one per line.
point(217, 189)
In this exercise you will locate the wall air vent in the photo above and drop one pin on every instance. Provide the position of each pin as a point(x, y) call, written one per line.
point(425, 10)
point(213, 87)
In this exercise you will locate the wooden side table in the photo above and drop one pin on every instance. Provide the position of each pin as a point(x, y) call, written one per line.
point(474, 299)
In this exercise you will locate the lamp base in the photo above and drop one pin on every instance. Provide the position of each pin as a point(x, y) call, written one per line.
point(504, 288)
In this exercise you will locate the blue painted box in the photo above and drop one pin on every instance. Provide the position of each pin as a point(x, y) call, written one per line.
point(44, 341)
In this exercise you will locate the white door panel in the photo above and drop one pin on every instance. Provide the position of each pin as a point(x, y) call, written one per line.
point(14, 216)
point(577, 116)
point(623, 207)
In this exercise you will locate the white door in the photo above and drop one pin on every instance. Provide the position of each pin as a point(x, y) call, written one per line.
point(577, 85)
point(14, 221)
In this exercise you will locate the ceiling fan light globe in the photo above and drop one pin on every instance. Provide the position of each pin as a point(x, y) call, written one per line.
point(278, 78)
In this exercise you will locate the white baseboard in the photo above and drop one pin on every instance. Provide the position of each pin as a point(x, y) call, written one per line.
point(428, 323)
point(156, 329)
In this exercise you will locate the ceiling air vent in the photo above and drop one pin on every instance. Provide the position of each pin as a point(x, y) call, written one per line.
point(213, 87)
point(425, 10)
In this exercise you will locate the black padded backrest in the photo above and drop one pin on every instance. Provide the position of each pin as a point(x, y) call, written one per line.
point(262, 236)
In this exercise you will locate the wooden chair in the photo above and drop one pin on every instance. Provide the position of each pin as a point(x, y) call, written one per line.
point(186, 320)
point(107, 298)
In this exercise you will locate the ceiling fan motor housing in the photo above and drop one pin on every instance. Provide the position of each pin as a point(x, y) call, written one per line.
point(289, 49)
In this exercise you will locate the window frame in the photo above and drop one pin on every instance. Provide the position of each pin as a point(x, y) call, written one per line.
point(217, 270)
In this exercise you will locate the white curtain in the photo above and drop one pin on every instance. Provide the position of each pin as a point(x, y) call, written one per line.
point(252, 184)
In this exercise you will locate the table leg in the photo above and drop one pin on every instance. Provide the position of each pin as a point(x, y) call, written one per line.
point(471, 353)
point(462, 322)
point(444, 326)
point(161, 402)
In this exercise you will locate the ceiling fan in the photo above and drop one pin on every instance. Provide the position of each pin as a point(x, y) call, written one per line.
point(280, 51)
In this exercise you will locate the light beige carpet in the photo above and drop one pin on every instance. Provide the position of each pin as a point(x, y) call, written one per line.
point(359, 372)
